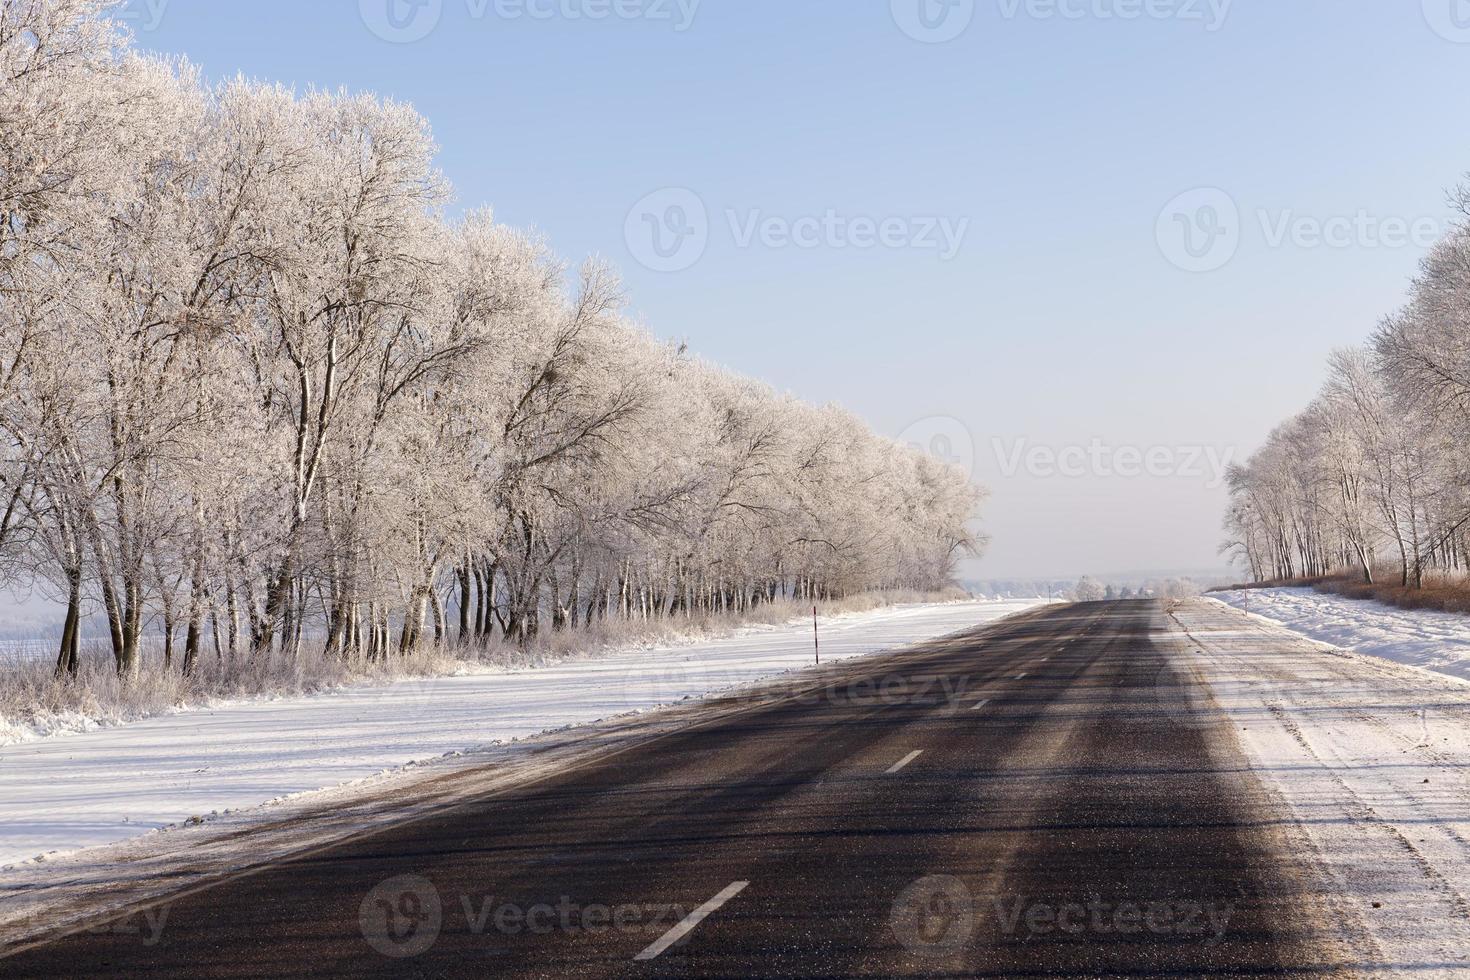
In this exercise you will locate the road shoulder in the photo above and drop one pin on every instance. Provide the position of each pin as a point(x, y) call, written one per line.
point(1372, 761)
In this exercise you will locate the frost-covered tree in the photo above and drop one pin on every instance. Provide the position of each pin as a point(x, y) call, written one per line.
point(1089, 589)
point(258, 393)
point(1375, 473)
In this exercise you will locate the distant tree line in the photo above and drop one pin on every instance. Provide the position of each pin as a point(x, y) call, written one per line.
point(1090, 589)
point(257, 391)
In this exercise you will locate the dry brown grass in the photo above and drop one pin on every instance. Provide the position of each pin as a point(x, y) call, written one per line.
point(34, 701)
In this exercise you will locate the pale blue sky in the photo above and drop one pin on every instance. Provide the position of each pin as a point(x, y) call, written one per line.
point(1059, 139)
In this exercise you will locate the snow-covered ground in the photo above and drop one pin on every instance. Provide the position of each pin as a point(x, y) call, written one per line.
point(1371, 757)
point(68, 792)
point(1417, 637)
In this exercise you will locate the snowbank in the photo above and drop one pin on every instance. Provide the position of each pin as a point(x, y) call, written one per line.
point(80, 790)
point(1437, 641)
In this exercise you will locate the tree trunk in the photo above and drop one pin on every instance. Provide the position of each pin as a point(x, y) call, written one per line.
point(436, 606)
point(232, 614)
point(465, 598)
point(196, 611)
point(168, 640)
point(68, 660)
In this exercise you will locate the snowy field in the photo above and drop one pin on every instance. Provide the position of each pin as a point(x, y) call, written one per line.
point(68, 792)
point(1437, 641)
point(1372, 758)
point(19, 651)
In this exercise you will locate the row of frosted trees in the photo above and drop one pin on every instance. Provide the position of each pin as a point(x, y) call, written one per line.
point(257, 392)
point(1374, 475)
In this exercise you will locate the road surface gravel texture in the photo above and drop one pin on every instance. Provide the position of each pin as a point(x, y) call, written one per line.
point(1057, 794)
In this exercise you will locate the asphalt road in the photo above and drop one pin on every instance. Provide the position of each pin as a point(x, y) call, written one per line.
point(1046, 797)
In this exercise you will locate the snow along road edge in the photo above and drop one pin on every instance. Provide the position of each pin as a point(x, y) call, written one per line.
point(1373, 759)
point(95, 885)
point(1426, 638)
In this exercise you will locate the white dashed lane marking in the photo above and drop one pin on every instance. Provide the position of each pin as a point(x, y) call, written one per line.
point(691, 921)
point(904, 761)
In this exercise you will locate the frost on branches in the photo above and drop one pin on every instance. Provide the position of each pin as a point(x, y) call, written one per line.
point(1374, 475)
point(257, 393)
